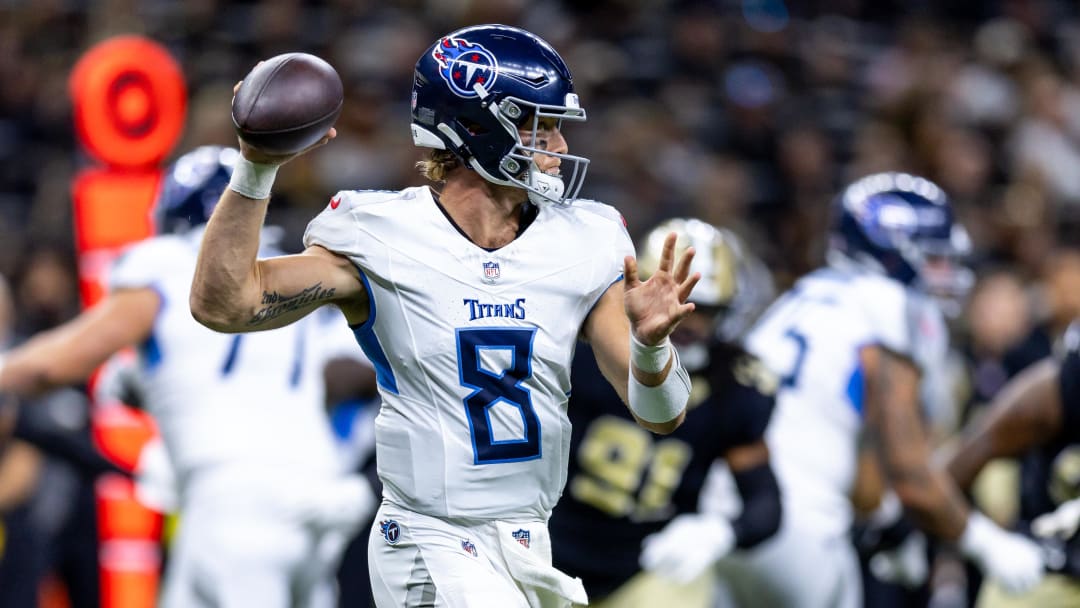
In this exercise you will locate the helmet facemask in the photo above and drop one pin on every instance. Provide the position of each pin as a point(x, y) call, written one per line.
point(940, 271)
point(519, 166)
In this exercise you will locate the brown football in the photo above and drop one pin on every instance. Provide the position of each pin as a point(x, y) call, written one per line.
point(287, 103)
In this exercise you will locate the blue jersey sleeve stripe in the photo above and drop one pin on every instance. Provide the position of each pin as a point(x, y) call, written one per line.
point(298, 362)
point(617, 280)
point(369, 342)
point(230, 358)
point(855, 389)
point(150, 349)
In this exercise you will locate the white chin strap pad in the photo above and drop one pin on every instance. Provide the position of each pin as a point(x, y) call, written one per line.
point(549, 188)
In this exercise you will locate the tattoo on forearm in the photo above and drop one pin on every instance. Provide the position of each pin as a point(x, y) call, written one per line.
point(277, 304)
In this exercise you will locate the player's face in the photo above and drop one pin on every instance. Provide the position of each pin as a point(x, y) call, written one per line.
point(947, 281)
point(548, 137)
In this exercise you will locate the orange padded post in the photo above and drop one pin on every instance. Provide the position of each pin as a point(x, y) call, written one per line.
point(130, 103)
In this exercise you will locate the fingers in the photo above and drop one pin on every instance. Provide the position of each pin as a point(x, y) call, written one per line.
point(682, 268)
point(331, 134)
point(684, 311)
point(630, 275)
point(667, 255)
point(687, 286)
point(236, 87)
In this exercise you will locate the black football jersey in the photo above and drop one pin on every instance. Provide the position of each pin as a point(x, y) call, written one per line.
point(625, 482)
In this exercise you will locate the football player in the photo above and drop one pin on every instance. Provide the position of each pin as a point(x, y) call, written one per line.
point(265, 507)
point(1038, 407)
point(469, 296)
point(625, 483)
point(859, 344)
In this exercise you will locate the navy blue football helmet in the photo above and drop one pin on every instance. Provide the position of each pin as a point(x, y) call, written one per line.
point(191, 188)
point(902, 226)
point(475, 88)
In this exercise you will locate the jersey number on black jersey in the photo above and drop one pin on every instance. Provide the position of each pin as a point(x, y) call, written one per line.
point(625, 472)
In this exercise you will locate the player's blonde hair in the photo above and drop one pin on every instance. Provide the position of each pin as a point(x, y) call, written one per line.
point(438, 165)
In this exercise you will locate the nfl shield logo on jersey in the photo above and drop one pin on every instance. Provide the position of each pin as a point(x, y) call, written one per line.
point(491, 271)
point(468, 547)
point(522, 536)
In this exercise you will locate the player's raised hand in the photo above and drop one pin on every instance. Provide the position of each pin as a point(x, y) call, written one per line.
point(256, 155)
point(656, 306)
point(286, 106)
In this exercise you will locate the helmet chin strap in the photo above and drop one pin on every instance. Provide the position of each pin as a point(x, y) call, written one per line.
point(545, 188)
point(541, 187)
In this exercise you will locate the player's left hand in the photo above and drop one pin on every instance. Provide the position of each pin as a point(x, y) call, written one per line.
point(689, 545)
point(658, 304)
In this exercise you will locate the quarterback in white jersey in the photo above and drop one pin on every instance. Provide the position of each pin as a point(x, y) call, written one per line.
point(265, 506)
point(493, 330)
point(859, 345)
point(469, 297)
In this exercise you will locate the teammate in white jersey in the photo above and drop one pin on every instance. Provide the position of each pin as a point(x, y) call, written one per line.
point(265, 506)
point(858, 345)
point(469, 297)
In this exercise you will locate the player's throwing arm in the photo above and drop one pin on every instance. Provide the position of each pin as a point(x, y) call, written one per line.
point(286, 106)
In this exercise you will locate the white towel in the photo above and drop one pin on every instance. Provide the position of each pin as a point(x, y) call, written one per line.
point(529, 564)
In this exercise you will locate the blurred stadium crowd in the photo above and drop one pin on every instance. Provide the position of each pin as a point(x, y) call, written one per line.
point(749, 114)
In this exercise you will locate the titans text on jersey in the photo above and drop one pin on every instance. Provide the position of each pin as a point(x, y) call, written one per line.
point(483, 310)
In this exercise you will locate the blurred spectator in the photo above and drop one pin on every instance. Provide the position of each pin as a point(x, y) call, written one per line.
point(796, 97)
point(47, 469)
point(998, 317)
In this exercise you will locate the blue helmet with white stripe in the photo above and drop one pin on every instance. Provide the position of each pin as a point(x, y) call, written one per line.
point(191, 188)
point(901, 226)
point(477, 88)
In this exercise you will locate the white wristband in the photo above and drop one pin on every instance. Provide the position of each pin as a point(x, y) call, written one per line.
point(649, 359)
point(252, 180)
point(664, 402)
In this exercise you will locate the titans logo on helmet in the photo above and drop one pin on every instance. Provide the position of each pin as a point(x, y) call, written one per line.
point(464, 64)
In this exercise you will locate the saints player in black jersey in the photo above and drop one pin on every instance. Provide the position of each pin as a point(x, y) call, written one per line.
point(1039, 407)
point(626, 483)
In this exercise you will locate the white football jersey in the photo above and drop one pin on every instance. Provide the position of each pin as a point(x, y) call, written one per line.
point(252, 399)
point(811, 336)
point(472, 347)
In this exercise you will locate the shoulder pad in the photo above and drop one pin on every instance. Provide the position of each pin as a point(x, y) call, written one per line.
point(604, 210)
